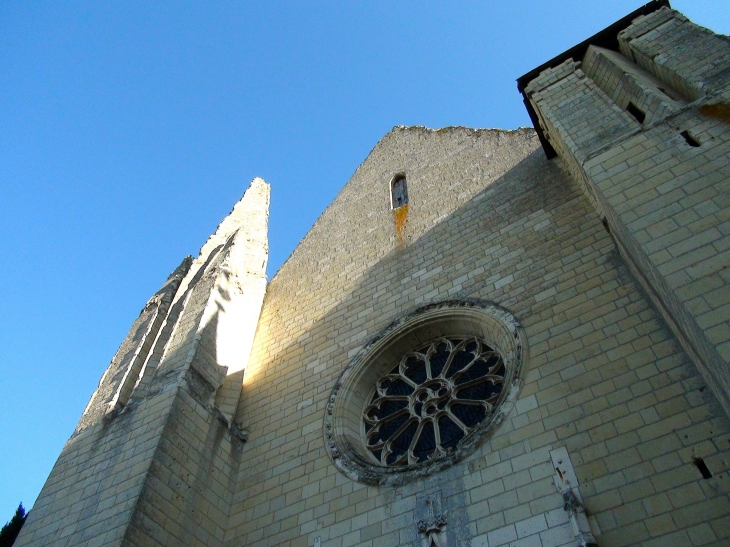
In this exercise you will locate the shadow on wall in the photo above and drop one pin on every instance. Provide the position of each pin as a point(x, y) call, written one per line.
point(151, 375)
point(474, 246)
point(531, 243)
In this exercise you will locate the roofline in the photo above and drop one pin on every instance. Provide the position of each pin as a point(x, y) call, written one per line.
point(607, 38)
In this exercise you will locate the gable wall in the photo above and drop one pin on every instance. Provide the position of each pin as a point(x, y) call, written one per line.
point(488, 218)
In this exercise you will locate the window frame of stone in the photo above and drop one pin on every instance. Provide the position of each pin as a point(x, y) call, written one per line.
point(344, 431)
point(435, 396)
point(395, 195)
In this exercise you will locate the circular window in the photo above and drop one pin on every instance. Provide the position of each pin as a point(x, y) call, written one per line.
point(431, 400)
point(424, 392)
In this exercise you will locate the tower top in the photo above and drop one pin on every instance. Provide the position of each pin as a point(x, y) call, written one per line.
point(250, 215)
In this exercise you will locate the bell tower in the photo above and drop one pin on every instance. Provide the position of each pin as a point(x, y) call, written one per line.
point(639, 115)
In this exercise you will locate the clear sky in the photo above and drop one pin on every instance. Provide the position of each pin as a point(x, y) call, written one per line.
point(129, 129)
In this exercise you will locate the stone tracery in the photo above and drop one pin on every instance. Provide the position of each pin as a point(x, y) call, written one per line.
point(435, 396)
point(424, 392)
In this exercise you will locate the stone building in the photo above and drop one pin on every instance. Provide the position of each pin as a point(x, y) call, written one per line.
point(488, 338)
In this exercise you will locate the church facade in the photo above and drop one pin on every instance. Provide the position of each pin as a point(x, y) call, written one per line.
point(489, 338)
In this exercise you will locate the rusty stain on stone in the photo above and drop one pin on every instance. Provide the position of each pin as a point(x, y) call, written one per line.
point(400, 215)
point(719, 111)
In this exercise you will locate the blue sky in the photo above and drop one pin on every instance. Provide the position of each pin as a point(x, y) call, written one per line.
point(128, 130)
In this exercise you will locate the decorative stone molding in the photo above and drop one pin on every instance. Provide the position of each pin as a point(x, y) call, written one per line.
point(431, 520)
point(344, 430)
point(566, 483)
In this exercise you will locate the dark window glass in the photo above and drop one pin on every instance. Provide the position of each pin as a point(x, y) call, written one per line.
point(399, 191)
point(435, 396)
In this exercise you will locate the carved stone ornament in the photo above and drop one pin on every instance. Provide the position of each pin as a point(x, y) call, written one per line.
point(576, 514)
point(431, 399)
point(431, 520)
point(433, 524)
point(425, 392)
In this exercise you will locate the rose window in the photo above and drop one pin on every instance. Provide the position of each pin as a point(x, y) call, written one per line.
point(432, 399)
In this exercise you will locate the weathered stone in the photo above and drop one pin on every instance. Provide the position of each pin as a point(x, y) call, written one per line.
point(611, 260)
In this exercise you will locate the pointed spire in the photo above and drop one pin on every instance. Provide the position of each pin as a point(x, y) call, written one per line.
point(251, 214)
point(220, 302)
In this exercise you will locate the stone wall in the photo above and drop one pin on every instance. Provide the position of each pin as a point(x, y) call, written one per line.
point(153, 459)
point(488, 217)
point(610, 261)
point(662, 182)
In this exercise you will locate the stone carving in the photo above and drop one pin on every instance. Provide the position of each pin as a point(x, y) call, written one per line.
point(432, 520)
point(431, 399)
point(505, 339)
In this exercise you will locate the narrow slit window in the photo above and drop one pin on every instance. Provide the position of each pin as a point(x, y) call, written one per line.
point(398, 191)
point(702, 466)
point(604, 221)
point(689, 139)
point(636, 112)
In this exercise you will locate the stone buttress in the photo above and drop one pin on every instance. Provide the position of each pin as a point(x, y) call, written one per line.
point(151, 458)
point(611, 438)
